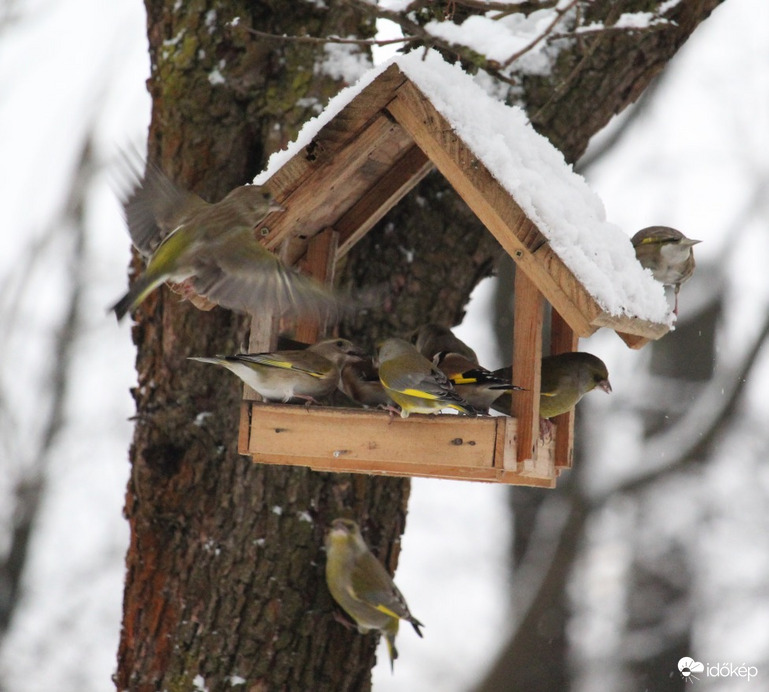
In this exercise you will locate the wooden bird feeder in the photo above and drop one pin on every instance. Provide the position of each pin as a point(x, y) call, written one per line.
point(358, 165)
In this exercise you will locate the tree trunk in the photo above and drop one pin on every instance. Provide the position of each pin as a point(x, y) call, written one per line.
point(224, 577)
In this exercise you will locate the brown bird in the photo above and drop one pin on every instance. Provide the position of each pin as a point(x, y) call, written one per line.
point(667, 253)
point(360, 382)
point(431, 339)
point(478, 386)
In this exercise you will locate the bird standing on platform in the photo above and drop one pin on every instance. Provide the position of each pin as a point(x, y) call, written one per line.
point(414, 383)
point(478, 386)
point(431, 339)
point(565, 379)
point(359, 380)
point(296, 374)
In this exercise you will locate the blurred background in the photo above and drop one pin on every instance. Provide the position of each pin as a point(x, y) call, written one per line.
point(654, 548)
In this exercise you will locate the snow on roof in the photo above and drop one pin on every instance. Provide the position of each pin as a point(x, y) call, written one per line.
point(555, 198)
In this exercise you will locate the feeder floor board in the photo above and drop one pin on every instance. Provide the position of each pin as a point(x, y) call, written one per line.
point(347, 440)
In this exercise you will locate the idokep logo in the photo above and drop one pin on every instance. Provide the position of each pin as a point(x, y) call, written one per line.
point(689, 669)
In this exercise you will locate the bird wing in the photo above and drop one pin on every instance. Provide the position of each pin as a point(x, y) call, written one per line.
point(431, 385)
point(371, 584)
point(240, 274)
point(302, 361)
point(153, 208)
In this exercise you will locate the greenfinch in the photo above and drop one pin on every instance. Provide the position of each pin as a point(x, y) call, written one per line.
point(359, 381)
point(565, 379)
point(667, 253)
point(431, 339)
point(414, 383)
point(360, 584)
point(293, 374)
point(478, 386)
point(213, 247)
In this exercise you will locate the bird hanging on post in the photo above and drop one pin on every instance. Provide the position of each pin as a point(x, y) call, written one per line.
point(414, 383)
point(306, 374)
point(360, 584)
point(212, 248)
point(565, 379)
point(667, 253)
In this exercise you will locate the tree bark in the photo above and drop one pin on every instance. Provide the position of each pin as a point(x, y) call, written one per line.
point(224, 577)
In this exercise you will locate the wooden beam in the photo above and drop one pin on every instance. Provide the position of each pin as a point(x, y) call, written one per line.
point(358, 441)
point(563, 340)
point(527, 355)
point(337, 133)
point(336, 183)
point(497, 210)
point(633, 341)
point(383, 196)
point(319, 262)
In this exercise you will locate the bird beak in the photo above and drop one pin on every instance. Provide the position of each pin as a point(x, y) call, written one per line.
point(691, 241)
point(605, 385)
point(277, 206)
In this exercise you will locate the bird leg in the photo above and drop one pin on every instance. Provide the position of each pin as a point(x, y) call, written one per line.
point(346, 622)
point(546, 427)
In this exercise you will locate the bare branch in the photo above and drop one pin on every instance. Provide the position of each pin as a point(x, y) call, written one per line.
point(330, 39)
point(558, 15)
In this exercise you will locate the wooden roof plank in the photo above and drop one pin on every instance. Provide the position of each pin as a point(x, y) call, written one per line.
point(383, 196)
point(495, 207)
point(337, 184)
point(337, 133)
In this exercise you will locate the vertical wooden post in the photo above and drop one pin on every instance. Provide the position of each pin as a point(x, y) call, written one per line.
point(320, 263)
point(563, 340)
point(527, 354)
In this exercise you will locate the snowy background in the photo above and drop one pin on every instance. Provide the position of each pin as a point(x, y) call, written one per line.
point(694, 160)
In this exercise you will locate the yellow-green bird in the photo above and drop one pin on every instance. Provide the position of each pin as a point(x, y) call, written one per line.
point(667, 253)
point(565, 379)
point(431, 339)
point(478, 386)
point(214, 246)
point(414, 383)
point(295, 374)
point(360, 584)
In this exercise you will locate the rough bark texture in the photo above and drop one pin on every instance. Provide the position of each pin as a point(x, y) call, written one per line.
point(225, 566)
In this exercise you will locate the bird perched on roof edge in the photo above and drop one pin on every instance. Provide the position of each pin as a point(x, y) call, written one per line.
point(361, 585)
point(667, 253)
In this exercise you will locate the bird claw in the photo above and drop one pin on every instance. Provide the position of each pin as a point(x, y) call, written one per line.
point(342, 620)
point(546, 427)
